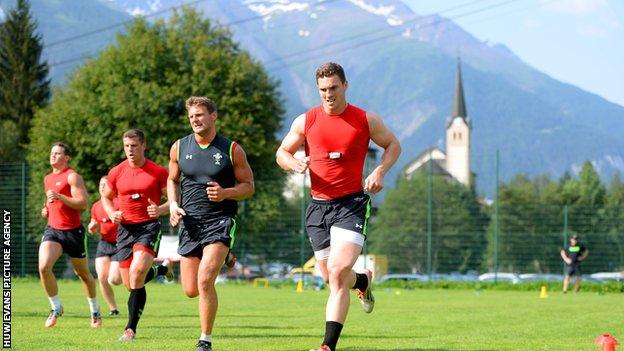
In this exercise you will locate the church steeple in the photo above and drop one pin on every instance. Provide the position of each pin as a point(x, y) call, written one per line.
point(459, 105)
point(458, 135)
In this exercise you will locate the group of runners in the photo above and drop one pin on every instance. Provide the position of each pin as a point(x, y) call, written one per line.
point(207, 175)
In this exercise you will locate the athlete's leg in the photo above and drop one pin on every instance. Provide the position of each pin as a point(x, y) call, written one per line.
point(577, 282)
point(102, 267)
point(321, 258)
point(49, 253)
point(188, 275)
point(141, 263)
point(114, 274)
point(213, 258)
point(566, 283)
point(341, 278)
point(81, 268)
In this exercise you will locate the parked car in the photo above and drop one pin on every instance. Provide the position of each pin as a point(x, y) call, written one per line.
point(500, 277)
point(541, 277)
point(403, 277)
point(608, 276)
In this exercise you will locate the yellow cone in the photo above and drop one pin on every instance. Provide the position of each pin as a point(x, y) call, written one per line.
point(543, 292)
point(300, 286)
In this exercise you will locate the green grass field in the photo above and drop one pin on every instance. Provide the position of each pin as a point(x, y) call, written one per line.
point(281, 319)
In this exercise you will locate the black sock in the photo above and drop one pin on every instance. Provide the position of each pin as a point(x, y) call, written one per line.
point(361, 281)
point(136, 303)
point(161, 270)
point(151, 273)
point(332, 333)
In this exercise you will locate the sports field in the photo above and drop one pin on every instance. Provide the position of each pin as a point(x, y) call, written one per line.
point(281, 319)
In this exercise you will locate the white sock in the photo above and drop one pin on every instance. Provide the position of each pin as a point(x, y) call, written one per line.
point(93, 305)
point(206, 337)
point(55, 302)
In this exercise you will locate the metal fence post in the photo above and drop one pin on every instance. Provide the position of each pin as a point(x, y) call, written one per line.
point(429, 213)
point(496, 217)
point(565, 233)
point(23, 222)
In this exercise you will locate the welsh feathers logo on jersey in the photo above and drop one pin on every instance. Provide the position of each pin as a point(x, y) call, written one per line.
point(217, 157)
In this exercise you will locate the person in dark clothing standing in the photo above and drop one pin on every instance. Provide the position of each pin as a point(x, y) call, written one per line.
point(573, 255)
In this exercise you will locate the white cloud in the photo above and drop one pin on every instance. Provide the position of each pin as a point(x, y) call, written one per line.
point(577, 7)
point(532, 23)
point(594, 32)
point(2, 15)
point(137, 11)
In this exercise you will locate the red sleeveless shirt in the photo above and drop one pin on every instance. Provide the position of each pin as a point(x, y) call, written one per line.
point(337, 146)
point(61, 216)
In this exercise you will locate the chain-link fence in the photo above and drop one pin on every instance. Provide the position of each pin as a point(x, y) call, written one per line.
point(441, 231)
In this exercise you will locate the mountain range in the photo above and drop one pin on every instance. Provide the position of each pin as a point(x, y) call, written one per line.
point(399, 64)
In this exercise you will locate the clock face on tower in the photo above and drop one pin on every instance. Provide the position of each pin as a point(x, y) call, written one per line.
point(457, 121)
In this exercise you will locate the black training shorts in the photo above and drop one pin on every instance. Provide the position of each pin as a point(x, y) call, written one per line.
point(349, 212)
point(73, 241)
point(146, 234)
point(195, 236)
point(104, 248)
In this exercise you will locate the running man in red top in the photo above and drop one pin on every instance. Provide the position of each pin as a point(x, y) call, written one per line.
point(138, 183)
point(106, 268)
point(66, 198)
point(336, 136)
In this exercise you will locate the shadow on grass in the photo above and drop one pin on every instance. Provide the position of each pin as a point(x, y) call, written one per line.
point(408, 349)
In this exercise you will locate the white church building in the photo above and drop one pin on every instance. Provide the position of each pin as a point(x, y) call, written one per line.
point(455, 162)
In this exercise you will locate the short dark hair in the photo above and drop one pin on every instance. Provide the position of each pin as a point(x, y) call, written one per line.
point(135, 133)
point(575, 237)
point(66, 149)
point(329, 69)
point(210, 105)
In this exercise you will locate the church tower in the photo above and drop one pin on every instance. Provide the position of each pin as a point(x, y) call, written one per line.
point(458, 135)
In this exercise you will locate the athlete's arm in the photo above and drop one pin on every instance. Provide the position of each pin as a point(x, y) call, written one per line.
point(584, 255)
point(291, 143)
point(382, 136)
point(565, 257)
point(173, 186)
point(78, 199)
point(107, 203)
point(244, 187)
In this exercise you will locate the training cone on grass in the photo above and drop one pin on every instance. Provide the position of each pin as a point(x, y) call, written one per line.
point(300, 286)
point(606, 342)
point(543, 292)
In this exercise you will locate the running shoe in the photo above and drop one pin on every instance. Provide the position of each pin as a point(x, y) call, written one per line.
point(203, 345)
point(367, 300)
point(96, 320)
point(323, 348)
point(54, 314)
point(128, 335)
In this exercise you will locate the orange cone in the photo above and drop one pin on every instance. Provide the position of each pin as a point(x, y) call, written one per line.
point(606, 342)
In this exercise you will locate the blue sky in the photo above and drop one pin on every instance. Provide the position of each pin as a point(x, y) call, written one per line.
point(580, 42)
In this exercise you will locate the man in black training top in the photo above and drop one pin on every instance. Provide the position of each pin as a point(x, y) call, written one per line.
point(572, 256)
point(208, 174)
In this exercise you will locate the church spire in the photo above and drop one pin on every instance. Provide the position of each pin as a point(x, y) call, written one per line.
point(459, 106)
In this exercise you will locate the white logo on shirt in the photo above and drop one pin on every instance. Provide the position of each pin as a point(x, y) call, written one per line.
point(57, 183)
point(217, 158)
point(189, 157)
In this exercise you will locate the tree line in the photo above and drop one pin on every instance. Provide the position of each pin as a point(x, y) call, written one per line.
point(535, 215)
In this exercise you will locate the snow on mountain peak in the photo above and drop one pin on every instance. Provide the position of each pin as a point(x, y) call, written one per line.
point(264, 8)
point(381, 10)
